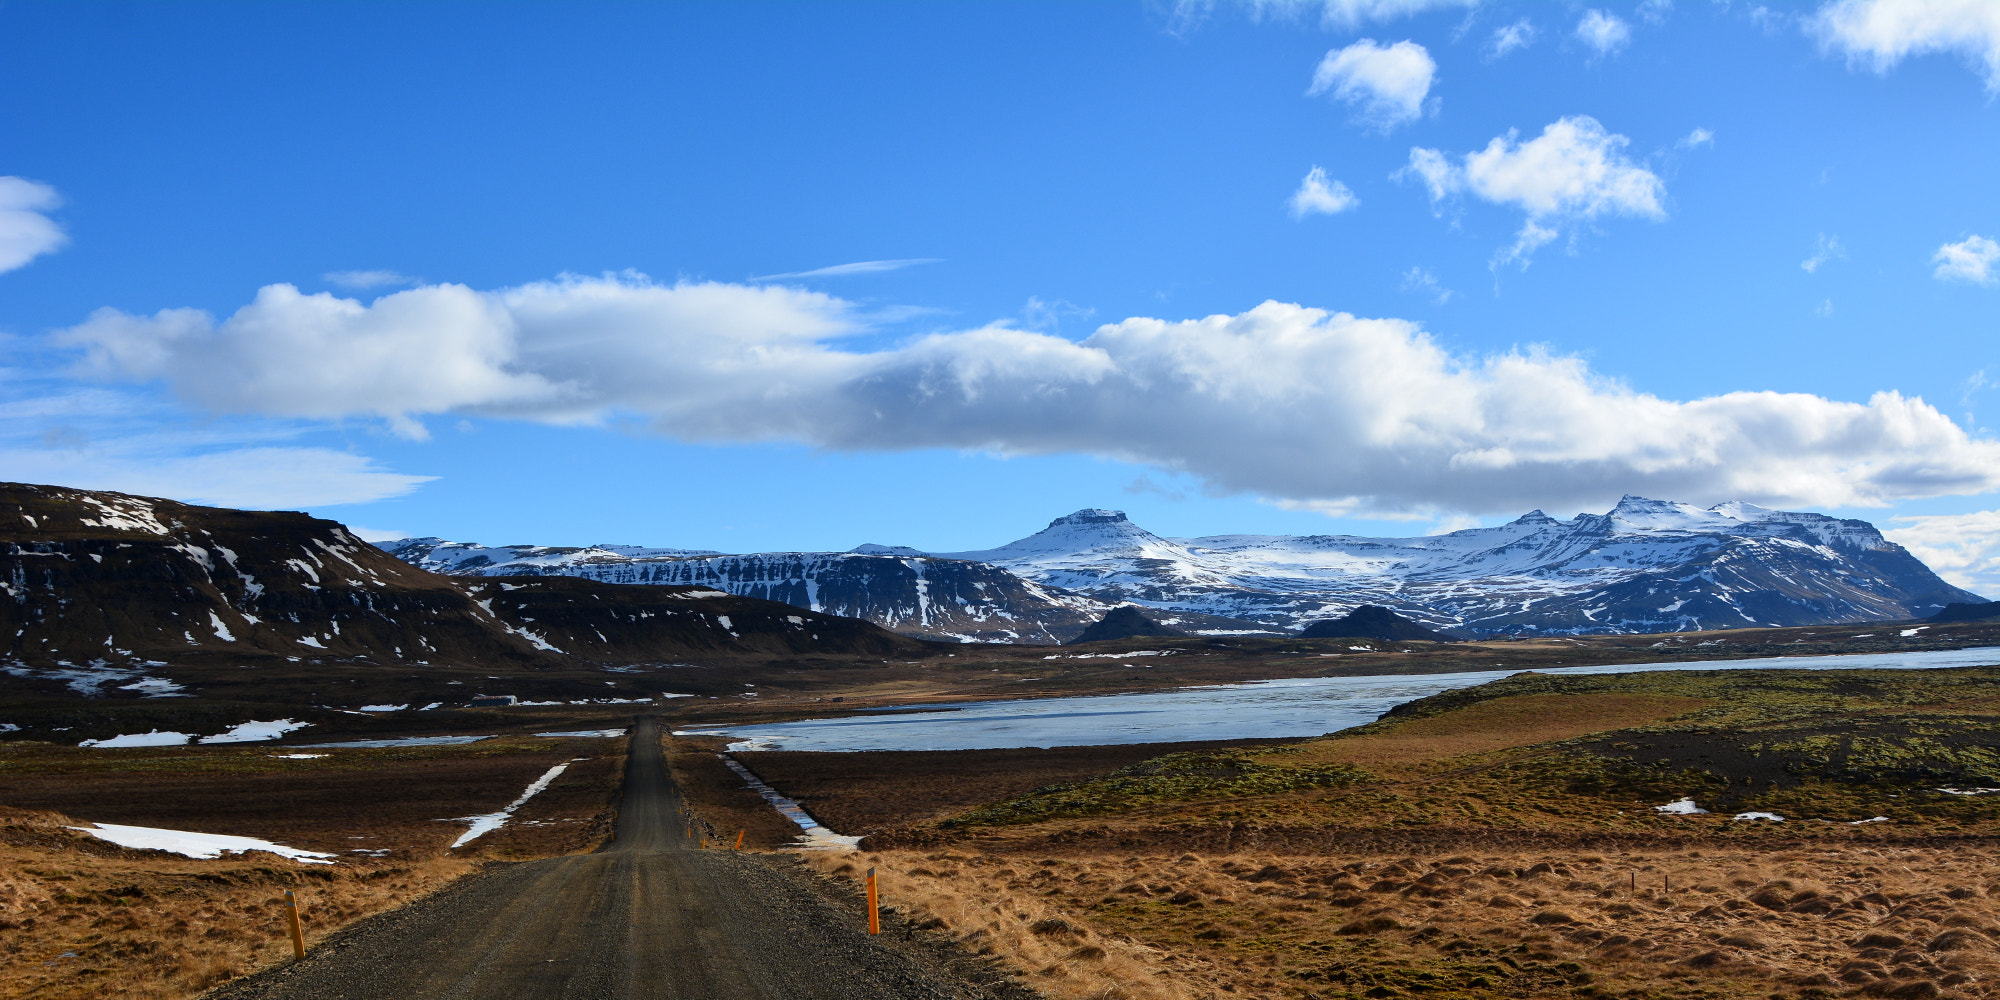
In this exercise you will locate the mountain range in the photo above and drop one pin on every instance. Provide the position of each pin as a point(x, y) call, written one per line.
point(1644, 566)
point(96, 589)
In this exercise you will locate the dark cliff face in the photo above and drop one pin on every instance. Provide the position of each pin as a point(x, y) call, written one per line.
point(90, 577)
point(1125, 623)
point(951, 599)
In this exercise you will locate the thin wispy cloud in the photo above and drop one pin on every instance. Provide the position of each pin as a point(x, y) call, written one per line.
point(1696, 139)
point(1828, 248)
point(1319, 194)
point(1508, 38)
point(1604, 32)
point(26, 231)
point(362, 281)
point(858, 267)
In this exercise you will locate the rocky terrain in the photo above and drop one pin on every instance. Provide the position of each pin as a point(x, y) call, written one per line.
point(1645, 566)
point(100, 591)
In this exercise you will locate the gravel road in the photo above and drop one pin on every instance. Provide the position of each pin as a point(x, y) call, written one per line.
point(647, 916)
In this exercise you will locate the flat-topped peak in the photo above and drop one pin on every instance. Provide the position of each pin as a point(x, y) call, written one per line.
point(1091, 515)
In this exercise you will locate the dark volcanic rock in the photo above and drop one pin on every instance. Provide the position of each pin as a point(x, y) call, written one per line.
point(1123, 623)
point(897, 588)
point(1967, 612)
point(108, 580)
point(1371, 621)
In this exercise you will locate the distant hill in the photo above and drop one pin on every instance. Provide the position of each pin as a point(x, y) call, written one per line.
point(1371, 621)
point(1124, 622)
point(1966, 612)
point(102, 582)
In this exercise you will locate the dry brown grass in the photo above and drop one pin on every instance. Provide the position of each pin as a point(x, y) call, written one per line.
point(1495, 725)
point(1888, 921)
point(80, 917)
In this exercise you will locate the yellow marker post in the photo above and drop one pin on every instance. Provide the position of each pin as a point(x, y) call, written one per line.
point(704, 843)
point(874, 905)
point(292, 918)
point(739, 840)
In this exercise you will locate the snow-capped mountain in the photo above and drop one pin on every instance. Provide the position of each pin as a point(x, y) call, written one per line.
point(898, 588)
point(1645, 566)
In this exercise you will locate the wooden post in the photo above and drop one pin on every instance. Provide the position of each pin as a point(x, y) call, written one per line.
point(1666, 882)
point(1635, 883)
point(874, 905)
point(739, 840)
point(292, 918)
point(704, 843)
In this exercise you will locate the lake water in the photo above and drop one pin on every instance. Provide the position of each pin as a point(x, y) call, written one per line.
point(1307, 706)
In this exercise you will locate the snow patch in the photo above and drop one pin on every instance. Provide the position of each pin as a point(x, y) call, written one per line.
point(196, 845)
point(149, 739)
point(485, 824)
point(1681, 807)
point(255, 732)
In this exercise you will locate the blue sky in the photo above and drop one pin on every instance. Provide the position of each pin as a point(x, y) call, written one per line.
point(573, 273)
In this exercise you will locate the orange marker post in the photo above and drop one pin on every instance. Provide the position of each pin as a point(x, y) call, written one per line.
point(874, 905)
point(739, 840)
point(292, 918)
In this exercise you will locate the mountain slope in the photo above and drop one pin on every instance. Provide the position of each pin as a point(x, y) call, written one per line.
point(951, 599)
point(1645, 566)
point(107, 582)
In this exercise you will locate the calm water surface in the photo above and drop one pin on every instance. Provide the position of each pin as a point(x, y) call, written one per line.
point(1306, 706)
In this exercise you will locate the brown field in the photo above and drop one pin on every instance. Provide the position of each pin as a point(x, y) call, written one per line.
point(1489, 845)
point(85, 918)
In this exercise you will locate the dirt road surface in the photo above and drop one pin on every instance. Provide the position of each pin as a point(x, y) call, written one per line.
point(649, 916)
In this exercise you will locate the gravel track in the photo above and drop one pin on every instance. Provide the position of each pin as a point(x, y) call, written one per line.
point(647, 916)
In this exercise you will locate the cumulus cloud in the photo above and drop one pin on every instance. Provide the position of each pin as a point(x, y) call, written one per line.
point(1320, 195)
point(1881, 33)
point(1507, 38)
point(1573, 173)
point(26, 231)
point(1291, 403)
point(366, 280)
point(858, 267)
point(1962, 548)
point(1827, 249)
point(1971, 259)
point(1603, 32)
point(1386, 84)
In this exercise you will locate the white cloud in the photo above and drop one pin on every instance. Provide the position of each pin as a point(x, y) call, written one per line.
point(1962, 548)
point(1881, 33)
point(367, 534)
point(1573, 173)
point(1825, 250)
point(1518, 35)
point(1696, 139)
point(26, 231)
point(1331, 13)
point(1293, 404)
point(364, 280)
point(1655, 11)
point(858, 267)
point(1971, 259)
point(1604, 32)
point(1387, 84)
point(284, 478)
point(1319, 195)
point(1422, 281)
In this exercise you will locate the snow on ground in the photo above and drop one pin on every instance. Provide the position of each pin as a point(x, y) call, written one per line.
point(255, 732)
point(607, 733)
point(151, 739)
point(482, 825)
point(385, 708)
point(299, 756)
point(1681, 807)
point(812, 834)
point(195, 845)
point(1773, 817)
point(403, 741)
